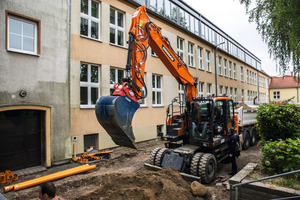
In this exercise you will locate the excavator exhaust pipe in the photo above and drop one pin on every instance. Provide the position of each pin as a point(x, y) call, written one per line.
point(115, 114)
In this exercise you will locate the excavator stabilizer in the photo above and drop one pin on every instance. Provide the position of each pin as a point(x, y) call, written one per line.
point(115, 114)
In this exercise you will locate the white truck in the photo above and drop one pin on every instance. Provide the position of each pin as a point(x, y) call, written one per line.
point(247, 124)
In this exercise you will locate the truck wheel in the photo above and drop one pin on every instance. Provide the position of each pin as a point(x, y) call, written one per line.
point(195, 164)
point(159, 156)
point(246, 141)
point(208, 168)
point(153, 155)
point(252, 136)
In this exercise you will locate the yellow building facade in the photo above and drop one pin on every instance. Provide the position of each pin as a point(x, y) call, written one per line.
point(99, 31)
point(283, 88)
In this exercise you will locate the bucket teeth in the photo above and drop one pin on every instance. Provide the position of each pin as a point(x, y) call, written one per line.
point(115, 114)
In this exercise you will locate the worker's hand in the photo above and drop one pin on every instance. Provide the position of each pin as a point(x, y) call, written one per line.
point(230, 155)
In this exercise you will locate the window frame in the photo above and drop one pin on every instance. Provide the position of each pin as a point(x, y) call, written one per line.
point(220, 65)
point(225, 67)
point(37, 27)
point(207, 57)
point(180, 48)
point(91, 19)
point(230, 69)
point(276, 95)
point(116, 27)
point(191, 54)
point(90, 85)
point(242, 74)
point(201, 89)
point(200, 58)
point(208, 89)
point(234, 71)
point(111, 86)
point(156, 90)
point(181, 93)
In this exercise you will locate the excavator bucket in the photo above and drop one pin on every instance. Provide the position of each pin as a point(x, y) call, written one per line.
point(115, 114)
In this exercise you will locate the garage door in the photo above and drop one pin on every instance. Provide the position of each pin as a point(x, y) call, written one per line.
point(20, 139)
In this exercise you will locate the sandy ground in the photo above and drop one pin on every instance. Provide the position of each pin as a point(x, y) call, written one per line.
point(123, 176)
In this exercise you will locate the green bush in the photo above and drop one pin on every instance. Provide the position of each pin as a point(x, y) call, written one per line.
point(279, 121)
point(281, 156)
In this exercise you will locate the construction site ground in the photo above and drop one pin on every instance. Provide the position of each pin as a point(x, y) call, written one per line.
point(123, 176)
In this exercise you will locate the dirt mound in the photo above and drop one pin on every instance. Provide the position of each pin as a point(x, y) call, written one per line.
point(147, 185)
point(245, 106)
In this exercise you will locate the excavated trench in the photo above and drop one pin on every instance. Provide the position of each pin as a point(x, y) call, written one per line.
point(124, 177)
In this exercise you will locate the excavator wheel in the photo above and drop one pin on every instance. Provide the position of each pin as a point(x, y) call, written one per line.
point(196, 163)
point(208, 168)
point(160, 156)
point(153, 155)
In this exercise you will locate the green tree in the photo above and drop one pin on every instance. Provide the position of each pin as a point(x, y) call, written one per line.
point(278, 21)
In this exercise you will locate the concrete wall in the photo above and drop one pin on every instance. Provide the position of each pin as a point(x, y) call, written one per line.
point(45, 76)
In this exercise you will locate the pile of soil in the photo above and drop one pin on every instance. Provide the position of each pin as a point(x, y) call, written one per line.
point(245, 106)
point(163, 184)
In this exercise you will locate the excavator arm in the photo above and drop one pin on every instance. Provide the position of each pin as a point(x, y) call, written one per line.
point(115, 112)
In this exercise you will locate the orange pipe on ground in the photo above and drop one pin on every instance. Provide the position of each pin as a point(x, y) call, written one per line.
point(49, 177)
point(11, 187)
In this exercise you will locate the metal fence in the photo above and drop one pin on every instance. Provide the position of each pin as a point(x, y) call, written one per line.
point(236, 186)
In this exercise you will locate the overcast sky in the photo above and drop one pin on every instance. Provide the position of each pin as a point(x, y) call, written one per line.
point(231, 17)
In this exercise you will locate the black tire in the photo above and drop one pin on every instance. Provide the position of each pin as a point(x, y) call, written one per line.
point(208, 168)
point(195, 164)
point(246, 142)
point(153, 155)
point(252, 136)
point(159, 156)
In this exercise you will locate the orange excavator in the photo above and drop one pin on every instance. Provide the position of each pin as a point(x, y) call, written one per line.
point(196, 135)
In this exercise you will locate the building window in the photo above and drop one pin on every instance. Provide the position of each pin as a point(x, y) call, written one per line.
point(200, 58)
point(225, 67)
point(116, 76)
point(23, 34)
point(208, 92)
point(221, 90)
point(191, 54)
point(242, 97)
point(230, 70)
point(234, 70)
point(89, 85)
point(90, 141)
point(90, 19)
point(181, 94)
point(230, 93)
point(180, 48)
point(156, 90)
point(276, 95)
point(201, 89)
point(226, 91)
point(242, 73)
point(235, 93)
point(208, 61)
point(116, 27)
point(247, 76)
point(220, 65)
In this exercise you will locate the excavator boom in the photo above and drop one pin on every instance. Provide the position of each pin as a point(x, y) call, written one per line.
point(115, 112)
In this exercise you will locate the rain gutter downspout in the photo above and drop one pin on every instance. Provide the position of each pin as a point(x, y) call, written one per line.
point(69, 64)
